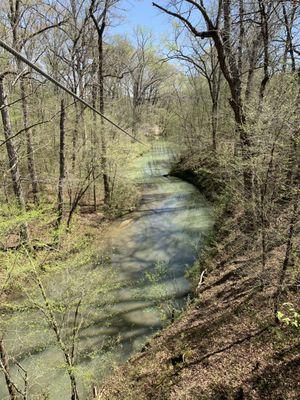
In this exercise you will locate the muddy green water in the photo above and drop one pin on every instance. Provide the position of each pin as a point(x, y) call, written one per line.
point(146, 257)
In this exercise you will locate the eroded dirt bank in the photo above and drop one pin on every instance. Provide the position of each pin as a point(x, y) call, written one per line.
point(225, 345)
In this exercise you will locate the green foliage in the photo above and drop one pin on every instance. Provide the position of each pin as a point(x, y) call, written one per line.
point(289, 316)
point(158, 274)
point(12, 217)
point(29, 315)
point(160, 286)
point(124, 198)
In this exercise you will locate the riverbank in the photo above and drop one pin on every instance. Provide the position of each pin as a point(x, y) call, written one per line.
point(225, 345)
point(78, 246)
point(69, 246)
point(126, 293)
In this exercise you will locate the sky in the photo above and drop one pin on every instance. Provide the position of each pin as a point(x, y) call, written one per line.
point(142, 13)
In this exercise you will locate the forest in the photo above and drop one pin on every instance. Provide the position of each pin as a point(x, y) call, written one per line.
point(149, 200)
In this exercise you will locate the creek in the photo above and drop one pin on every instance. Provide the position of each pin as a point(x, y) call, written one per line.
point(146, 255)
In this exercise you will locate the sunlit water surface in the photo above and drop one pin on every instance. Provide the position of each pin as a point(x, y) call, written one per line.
point(147, 253)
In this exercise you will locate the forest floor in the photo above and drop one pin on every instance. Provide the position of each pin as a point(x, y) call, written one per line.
point(77, 247)
point(81, 244)
point(225, 345)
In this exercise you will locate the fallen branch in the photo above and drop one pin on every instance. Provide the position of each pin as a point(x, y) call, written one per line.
point(200, 281)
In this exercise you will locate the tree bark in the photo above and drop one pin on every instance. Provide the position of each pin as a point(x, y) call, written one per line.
point(265, 38)
point(229, 67)
point(215, 95)
point(214, 123)
point(15, 21)
point(100, 31)
point(60, 199)
point(289, 39)
point(29, 145)
point(95, 143)
point(75, 135)
point(12, 157)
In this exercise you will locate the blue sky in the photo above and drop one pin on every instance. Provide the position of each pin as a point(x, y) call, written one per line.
point(142, 13)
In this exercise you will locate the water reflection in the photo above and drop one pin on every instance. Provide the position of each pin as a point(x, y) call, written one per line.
point(149, 252)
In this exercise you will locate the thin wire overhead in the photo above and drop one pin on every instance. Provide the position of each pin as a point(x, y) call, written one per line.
point(15, 53)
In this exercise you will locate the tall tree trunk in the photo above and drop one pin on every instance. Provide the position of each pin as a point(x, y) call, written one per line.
point(289, 41)
point(103, 139)
point(15, 20)
point(60, 200)
point(241, 35)
point(75, 135)
point(223, 43)
point(100, 31)
point(135, 105)
point(265, 38)
point(95, 144)
point(215, 96)
point(12, 156)
point(233, 77)
point(30, 152)
point(214, 123)
point(253, 56)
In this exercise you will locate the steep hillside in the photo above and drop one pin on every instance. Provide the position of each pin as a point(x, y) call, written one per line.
point(226, 344)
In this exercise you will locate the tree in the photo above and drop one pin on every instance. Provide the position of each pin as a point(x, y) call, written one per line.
point(18, 12)
point(202, 58)
point(60, 198)
point(221, 29)
point(12, 154)
point(100, 23)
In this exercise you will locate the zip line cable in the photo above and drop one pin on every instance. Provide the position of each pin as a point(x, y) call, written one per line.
point(15, 53)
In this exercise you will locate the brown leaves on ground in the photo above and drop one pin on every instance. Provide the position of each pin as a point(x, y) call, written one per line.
point(228, 343)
